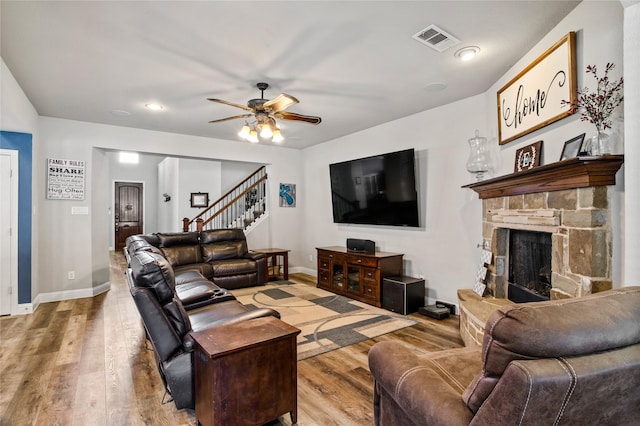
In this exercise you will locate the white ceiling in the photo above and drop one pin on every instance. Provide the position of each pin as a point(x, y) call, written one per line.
point(353, 63)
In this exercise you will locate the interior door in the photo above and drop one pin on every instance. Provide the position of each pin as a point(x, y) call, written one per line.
point(128, 211)
point(7, 230)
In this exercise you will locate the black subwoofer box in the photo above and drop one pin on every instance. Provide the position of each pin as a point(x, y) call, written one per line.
point(402, 295)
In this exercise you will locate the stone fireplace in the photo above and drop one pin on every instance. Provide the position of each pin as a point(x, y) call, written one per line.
point(578, 223)
point(562, 207)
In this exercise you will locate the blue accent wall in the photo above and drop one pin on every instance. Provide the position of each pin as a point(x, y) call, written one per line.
point(21, 142)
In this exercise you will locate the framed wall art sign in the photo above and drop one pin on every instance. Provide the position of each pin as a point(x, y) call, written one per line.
point(199, 199)
point(528, 157)
point(533, 99)
point(65, 179)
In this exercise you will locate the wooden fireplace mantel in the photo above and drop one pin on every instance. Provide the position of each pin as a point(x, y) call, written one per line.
point(580, 172)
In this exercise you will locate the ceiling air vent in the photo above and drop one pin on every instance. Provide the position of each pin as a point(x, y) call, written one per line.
point(436, 38)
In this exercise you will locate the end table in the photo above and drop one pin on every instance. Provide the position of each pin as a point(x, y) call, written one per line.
point(246, 373)
point(276, 258)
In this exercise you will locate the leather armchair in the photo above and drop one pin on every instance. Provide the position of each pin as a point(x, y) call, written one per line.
point(562, 362)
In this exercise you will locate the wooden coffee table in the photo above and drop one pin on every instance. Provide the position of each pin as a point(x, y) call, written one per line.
point(276, 258)
point(246, 373)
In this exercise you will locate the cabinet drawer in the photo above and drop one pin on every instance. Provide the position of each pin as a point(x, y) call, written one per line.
point(359, 260)
point(370, 292)
point(323, 276)
point(369, 274)
point(324, 263)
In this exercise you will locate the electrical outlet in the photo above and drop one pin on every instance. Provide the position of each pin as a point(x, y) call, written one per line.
point(71, 275)
point(310, 258)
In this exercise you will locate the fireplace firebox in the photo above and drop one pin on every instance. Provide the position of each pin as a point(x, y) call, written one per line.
point(529, 266)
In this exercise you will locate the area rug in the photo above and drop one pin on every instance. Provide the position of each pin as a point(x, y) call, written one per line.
point(327, 321)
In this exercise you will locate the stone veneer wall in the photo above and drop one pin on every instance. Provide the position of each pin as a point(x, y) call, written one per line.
point(579, 221)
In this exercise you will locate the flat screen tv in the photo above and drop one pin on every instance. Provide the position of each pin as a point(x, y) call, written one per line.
point(377, 190)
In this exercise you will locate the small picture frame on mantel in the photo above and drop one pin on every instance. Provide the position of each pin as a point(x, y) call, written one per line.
point(573, 148)
point(199, 199)
point(528, 157)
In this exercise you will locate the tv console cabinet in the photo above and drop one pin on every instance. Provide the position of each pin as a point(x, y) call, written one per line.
point(357, 275)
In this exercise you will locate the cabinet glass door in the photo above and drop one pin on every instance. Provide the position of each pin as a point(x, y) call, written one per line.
point(353, 279)
point(338, 275)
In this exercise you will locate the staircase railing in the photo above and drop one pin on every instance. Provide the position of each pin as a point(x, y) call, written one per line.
point(240, 207)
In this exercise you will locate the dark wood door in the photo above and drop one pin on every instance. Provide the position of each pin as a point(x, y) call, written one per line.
point(128, 211)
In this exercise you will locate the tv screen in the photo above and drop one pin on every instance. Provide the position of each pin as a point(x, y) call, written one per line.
point(377, 190)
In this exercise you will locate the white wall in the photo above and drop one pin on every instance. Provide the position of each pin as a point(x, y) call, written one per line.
point(447, 259)
point(17, 114)
point(64, 238)
point(444, 250)
point(234, 172)
point(196, 176)
point(599, 35)
point(598, 27)
point(631, 233)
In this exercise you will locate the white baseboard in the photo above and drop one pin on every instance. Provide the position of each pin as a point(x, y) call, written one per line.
point(303, 270)
point(24, 308)
point(56, 296)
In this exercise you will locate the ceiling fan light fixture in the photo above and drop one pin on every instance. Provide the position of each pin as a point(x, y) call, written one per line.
point(253, 136)
point(244, 132)
point(277, 136)
point(265, 131)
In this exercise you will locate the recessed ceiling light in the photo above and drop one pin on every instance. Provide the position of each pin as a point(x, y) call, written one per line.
point(120, 112)
point(154, 107)
point(467, 53)
point(435, 87)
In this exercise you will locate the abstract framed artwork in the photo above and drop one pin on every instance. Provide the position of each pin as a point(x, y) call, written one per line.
point(287, 195)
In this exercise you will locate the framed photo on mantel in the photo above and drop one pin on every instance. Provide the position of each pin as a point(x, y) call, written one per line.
point(528, 157)
point(533, 99)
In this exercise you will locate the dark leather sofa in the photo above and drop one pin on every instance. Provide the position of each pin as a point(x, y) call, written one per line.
point(220, 255)
point(174, 302)
point(560, 362)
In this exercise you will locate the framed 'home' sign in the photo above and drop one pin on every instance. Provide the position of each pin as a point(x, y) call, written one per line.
point(533, 98)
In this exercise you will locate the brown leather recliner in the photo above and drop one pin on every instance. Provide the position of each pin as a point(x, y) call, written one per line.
point(561, 362)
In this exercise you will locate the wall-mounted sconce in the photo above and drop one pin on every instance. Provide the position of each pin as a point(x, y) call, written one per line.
point(167, 197)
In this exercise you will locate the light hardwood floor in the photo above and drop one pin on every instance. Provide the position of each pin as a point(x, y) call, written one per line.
point(85, 362)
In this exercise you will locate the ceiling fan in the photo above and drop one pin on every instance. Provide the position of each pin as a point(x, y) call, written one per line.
point(265, 113)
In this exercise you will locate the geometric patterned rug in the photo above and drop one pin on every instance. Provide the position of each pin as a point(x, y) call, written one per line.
point(327, 321)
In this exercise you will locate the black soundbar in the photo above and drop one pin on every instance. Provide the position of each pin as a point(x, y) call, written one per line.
point(364, 246)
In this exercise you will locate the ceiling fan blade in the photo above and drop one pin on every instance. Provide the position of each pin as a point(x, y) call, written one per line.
point(298, 117)
point(233, 104)
point(231, 118)
point(280, 102)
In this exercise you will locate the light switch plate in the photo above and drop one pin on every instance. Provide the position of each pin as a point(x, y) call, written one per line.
point(80, 210)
